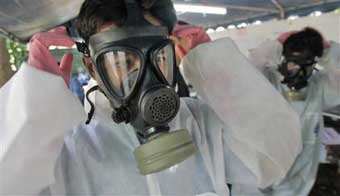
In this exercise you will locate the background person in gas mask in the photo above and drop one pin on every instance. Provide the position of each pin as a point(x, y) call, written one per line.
point(137, 125)
point(289, 63)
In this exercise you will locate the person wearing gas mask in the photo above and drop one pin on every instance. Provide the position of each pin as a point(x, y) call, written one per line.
point(303, 67)
point(139, 137)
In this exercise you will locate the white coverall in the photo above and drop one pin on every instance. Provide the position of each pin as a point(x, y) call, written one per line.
point(323, 91)
point(38, 113)
point(244, 99)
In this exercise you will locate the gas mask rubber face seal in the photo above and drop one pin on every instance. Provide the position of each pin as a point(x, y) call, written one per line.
point(296, 70)
point(134, 66)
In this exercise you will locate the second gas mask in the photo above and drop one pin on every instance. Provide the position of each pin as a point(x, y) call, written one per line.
point(296, 70)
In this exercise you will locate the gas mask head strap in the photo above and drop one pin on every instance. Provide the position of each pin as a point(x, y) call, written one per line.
point(135, 17)
point(134, 26)
point(135, 13)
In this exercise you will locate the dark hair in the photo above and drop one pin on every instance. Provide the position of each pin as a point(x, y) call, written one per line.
point(95, 13)
point(308, 40)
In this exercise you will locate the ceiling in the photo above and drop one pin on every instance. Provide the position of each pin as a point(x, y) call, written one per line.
point(19, 19)
point(251, 10)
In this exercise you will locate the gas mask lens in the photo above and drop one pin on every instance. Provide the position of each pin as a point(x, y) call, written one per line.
point(164, 59)
point(122, 68)
point(293, 69)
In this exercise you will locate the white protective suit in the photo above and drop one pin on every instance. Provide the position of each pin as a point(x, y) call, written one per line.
point(323, 91)
point(255, 111)
point(37, 111)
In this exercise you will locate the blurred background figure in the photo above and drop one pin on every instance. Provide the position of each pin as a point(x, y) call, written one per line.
point(79, 79)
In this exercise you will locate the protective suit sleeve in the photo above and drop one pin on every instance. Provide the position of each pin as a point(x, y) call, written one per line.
point(267, 141)
point(36, 108)
point(330, 62)
point(267, 54)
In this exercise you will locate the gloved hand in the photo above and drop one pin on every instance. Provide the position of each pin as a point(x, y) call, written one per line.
point(284, 36)
point(194, 35)
point(41, 58)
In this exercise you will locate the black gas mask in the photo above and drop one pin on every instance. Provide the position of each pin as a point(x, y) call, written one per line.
point(296, 70)
point(135, 69)
point(136, 73)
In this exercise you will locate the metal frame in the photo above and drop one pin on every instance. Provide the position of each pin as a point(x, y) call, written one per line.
point(280, 8)
point(280, 12)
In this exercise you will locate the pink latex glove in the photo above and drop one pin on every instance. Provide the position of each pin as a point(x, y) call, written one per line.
point(41, 58)
point(194, 34)
point(284, 36)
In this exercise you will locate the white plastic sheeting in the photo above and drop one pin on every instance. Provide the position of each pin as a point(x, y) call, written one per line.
point(260, 119)
point(251, 36)
point(20, 19)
